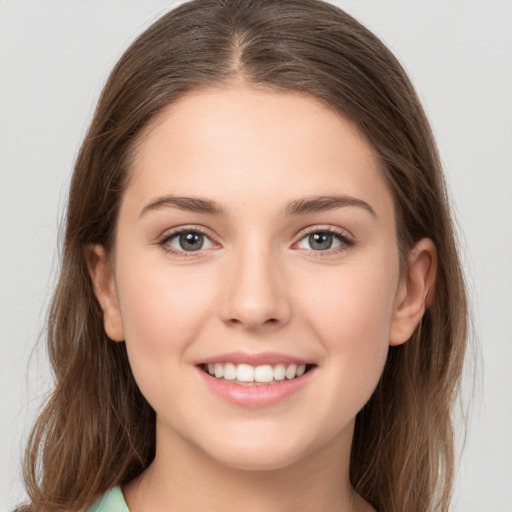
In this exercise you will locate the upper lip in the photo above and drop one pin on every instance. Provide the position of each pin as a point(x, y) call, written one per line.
point(254, 359)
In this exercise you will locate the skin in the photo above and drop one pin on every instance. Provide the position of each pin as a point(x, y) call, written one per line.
point(257, 285)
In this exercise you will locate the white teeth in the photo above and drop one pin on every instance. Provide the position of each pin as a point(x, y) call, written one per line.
point(291, 371)
point(263, 374)
point(230, 371)
point(279, 372)
point(244, 373)
point(219, 371)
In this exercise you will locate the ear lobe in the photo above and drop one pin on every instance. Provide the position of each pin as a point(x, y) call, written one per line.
point(104, 287)
point(415, 292)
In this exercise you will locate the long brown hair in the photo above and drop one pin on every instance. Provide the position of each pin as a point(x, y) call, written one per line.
point(97, 430)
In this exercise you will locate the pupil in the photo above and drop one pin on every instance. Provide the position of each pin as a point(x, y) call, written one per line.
point(191, 241)
point(319, 241)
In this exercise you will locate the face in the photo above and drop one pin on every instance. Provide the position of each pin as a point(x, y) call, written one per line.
point(256, 242)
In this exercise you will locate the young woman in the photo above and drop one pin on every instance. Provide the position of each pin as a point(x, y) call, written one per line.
point(260, 303)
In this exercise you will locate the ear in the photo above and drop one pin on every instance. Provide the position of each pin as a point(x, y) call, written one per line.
point(415, 291)
point(104, 287)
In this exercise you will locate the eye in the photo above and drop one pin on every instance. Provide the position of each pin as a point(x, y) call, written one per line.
point(325, 240)
point(186, 240)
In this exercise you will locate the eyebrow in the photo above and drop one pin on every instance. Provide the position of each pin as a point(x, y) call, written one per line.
point(301, 206)
point(191, 204)
point(311, 204)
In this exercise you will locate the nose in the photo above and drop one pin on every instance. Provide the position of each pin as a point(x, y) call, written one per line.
point(255, 292)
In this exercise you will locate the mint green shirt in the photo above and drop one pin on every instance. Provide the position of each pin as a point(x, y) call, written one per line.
point(111, 501)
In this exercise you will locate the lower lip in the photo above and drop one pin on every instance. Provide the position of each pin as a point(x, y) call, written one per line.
point(253, 396)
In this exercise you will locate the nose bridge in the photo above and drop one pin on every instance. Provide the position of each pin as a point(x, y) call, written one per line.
point(256, 293)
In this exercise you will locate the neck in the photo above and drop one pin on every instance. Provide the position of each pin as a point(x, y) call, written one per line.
point(182, 477)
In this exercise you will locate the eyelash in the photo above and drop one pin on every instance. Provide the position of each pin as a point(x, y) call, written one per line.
point(167, 237)
point(343, 238)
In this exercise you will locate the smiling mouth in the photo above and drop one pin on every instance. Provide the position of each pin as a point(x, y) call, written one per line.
point(249, 375)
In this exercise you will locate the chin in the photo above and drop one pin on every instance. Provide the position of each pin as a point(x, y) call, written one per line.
point(259, 452)
point(262, 460)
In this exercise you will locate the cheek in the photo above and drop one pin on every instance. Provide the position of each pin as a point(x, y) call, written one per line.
point(354, 303)
point(351, 315)
point(163, 312)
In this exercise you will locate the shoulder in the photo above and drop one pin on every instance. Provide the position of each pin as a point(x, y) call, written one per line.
point(111, 501)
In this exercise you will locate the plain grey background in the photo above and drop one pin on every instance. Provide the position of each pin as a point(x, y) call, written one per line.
point(54, 59)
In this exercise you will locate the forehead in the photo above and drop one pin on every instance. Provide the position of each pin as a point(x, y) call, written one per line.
point(238, 142)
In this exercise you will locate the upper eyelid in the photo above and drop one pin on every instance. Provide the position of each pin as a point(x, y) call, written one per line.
point(315, 228)
point(169, 233)
point(326, 228)
point(346, 239)
point(303, 232)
